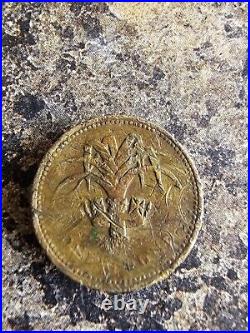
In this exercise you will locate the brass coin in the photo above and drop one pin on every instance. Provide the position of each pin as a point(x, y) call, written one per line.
point(117, 204)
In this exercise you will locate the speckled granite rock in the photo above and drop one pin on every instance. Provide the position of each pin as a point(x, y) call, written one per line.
point(181, 65)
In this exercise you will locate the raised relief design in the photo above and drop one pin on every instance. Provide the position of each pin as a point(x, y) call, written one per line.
point(117, 204)
point(109, 172)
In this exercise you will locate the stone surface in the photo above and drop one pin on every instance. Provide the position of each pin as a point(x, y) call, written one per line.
point(181, 65)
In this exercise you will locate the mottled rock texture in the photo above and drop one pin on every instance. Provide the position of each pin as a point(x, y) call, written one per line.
point(180, 65)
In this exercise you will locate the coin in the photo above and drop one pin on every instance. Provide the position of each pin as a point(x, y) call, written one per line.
point(117, 204)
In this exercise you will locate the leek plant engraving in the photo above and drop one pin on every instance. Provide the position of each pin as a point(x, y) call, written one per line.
point(113, 168)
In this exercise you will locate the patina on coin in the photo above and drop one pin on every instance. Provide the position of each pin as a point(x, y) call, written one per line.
point(116, 204)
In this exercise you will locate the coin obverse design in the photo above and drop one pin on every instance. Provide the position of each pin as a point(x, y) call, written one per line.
point(117, 204)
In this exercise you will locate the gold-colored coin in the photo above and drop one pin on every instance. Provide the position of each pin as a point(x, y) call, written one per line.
point(117, 204)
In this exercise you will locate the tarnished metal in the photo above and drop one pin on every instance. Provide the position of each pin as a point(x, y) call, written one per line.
point(116, 203)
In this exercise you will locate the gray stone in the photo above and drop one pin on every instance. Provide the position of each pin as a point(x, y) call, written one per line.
point(181, 65)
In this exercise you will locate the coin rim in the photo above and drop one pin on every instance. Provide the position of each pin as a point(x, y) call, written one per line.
point(142, 284)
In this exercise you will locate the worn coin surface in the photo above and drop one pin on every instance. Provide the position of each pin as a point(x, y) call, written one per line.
point(117, 204)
